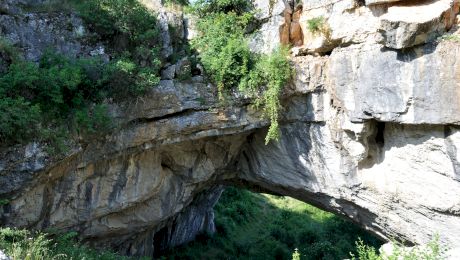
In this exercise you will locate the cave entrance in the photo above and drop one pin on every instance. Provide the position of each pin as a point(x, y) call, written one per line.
point(252, 225)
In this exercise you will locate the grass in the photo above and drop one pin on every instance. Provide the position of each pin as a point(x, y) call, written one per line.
point(261, 226)
point(249, 226)
point(26, 245)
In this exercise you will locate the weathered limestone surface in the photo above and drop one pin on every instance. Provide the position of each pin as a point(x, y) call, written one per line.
point(420, 86)
point(416, 22)
point(368, 132)
point(35, 32)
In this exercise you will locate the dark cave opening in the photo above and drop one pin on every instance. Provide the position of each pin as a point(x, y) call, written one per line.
point(380, 135)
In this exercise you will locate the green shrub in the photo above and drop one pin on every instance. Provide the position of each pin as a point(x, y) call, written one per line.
point(271, 72)
point(128, 79)
point(39, 99)
point(226, 57)
point(133, 32)
point(91, 121)
point(19, 120)
point(223, 49)
point(205, 7)
point(431, 251)
point(315, 25)
point(35, 98)
point(111, 18)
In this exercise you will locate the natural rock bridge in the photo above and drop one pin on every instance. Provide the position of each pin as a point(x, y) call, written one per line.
point(370, 132)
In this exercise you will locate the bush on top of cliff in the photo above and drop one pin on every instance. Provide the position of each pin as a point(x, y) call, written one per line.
point(224, 52)
point(120, 18)
point(130, 29)
point(65, 95)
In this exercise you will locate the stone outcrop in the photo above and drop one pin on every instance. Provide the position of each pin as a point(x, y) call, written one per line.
point(368, 132)
point(417, 22)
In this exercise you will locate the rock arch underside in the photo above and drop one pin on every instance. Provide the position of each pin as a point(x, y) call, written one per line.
point(369, 131)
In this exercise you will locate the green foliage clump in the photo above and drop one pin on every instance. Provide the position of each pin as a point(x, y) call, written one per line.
point(26, 245)
point(133, 31)
point(226, 57)
point(315, 25)
point(260, 226)
point(120, 18)
point(19, 120)
point(206, 7)
point(431, 251)
point(59, 96)
point(365, 252)
point(36, 97)
point(223, 49)
point(272, 72)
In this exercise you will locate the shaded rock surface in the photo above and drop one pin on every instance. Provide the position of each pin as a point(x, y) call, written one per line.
point(368, 132)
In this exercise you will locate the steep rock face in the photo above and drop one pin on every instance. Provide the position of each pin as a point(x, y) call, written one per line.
point(369, 132)
point(36, 32)
point(420, 86)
